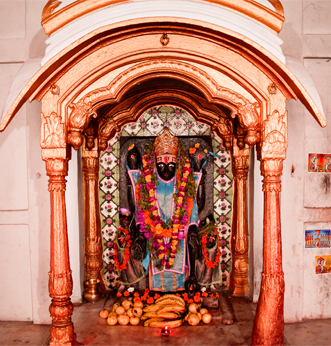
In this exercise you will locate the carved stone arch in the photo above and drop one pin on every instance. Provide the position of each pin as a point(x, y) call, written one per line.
point(86, 108)
point(131, 109)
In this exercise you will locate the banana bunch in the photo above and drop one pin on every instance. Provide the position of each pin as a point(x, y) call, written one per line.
point(167, 311)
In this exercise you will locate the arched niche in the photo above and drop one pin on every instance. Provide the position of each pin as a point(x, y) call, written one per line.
point(151, 124)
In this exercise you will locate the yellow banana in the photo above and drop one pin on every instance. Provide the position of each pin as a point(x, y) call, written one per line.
point(168, 315)
point(169, 324)
point(170, 296)
point(147, 322)
point(171, 308)
point(148, 315)
point(152, 307)
point(171, 301)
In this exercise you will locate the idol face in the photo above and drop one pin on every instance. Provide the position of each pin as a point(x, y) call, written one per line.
point(133, 158)
point(166, 166)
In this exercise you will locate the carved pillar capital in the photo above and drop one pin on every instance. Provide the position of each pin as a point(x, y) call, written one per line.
point(107, 129)
point(224, 129)
point(248, 124)
point(78, 121)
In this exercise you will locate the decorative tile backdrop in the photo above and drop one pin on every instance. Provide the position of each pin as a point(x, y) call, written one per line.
point(151, 123)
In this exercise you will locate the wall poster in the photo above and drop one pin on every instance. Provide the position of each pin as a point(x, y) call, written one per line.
point(323, 264)
point(318, 238)
point(319, 163)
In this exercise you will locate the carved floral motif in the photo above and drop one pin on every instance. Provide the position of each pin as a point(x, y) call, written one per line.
point(274, 136)
point(78, 122)
point(52, 132)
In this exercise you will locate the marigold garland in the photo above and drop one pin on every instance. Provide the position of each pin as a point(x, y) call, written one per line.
point(124, 265)
point(210, 230)
point(151, 223)
point(150, 297)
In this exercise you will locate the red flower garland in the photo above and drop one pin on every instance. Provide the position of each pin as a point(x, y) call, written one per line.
point(124, 265)
point(208, 263)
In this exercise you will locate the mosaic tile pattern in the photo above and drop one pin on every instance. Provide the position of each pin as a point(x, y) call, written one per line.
point(151, 123)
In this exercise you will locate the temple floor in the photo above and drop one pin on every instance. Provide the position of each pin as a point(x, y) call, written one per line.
point(92, 330)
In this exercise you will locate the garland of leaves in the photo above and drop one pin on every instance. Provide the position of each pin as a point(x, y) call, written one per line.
point(155, 230)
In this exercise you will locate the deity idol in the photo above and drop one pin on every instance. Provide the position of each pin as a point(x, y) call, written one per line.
point(165, 189)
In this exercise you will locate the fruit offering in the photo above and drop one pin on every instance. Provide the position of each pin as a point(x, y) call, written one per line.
point(194, 316)
point(123, 313)
point(167, 311)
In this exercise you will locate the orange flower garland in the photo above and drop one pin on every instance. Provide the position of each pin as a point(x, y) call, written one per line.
point(151, 224)
point(208, 263)
point(124, 265)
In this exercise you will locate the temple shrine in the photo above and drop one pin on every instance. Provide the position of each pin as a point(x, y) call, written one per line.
point(170, 106)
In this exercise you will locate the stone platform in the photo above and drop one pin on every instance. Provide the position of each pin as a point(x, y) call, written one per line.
point(92, 330)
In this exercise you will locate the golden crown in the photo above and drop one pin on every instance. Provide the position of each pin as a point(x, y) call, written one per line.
point(166, 143)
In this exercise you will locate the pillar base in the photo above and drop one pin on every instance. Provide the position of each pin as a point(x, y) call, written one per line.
point(238, 286)
point(63, 336)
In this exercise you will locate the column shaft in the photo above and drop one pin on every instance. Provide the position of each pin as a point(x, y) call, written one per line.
point(60, 280)
point(93, 245)
point(269, 319)
point(238, 282)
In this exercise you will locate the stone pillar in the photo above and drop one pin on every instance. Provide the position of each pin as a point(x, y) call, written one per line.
point(269, 318)
point(92, 224)
point(238, 281)
point(60, 280)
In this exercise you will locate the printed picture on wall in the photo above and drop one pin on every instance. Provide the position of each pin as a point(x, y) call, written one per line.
point(318, 238)
point(319, 163)
point(323, 264)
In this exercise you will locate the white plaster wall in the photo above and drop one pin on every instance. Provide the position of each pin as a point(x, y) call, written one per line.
point(306, 199)
point(24, 196)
